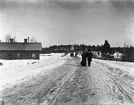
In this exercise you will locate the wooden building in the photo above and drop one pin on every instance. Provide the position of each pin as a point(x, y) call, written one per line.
point(20, 50)
point(128, 54)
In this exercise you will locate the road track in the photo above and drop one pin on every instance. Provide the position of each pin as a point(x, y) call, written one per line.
point(109, 90)
point(51, 102)
point(123, 90)
point(56, 94)
point(72, 84)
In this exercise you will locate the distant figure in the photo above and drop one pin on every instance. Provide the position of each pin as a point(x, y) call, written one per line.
point(72, 54)
point(89, 57)
point(83, 61)
point(86, 57)
point(76, 54)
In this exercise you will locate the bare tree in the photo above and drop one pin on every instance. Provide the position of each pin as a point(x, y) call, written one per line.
point(14, 38)
point(8, 37)
point(33, 40)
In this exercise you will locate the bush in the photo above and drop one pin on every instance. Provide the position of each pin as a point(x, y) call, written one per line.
point(1, 64)
point(107, 57)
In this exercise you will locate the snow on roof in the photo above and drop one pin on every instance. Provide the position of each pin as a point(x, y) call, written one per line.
point(20, 46)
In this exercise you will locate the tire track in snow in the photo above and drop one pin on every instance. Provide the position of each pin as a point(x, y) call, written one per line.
point(75, 91)
point(51, 102)
point(124, 92)
point(105, 88)
point(99, 82)
point(121, 90)
point(87, 86)
point(38, 88)
point(53, 97)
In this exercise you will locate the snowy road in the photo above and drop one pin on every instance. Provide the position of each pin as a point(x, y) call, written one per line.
point(71, 84)
point(95, 85)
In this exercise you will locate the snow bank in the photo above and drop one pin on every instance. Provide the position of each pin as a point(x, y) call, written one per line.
point(16, 63)
point(13, 70)
point(125, 66)
point(122, 70)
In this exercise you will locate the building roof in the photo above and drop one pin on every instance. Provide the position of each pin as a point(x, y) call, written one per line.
point(20, 47)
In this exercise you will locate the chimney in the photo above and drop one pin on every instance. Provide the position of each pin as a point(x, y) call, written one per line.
point(11, 40)
point(25, 40)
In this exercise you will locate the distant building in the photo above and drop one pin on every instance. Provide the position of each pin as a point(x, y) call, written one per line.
point(128, 54)
point(20, 50)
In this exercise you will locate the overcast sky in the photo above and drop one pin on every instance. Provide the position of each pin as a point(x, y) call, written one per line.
point(68, 21)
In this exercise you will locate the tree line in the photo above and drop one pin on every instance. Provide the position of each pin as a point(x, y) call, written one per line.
point(104, 48)
point(66, 48)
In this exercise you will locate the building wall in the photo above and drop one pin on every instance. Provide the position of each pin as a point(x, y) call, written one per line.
point(19, 55)
point(128, 54)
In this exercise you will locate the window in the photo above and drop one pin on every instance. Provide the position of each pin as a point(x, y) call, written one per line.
point(18, 55)
point(33, 55)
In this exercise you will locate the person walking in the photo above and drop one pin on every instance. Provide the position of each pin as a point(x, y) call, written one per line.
point(76, 54)
point(89, 57)
point(83, 61)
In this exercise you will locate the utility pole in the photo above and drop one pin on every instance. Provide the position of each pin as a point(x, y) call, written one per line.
point(124, 50)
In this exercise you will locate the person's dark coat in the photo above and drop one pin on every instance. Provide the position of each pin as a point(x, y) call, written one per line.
point(76, 54)
point(89, 57)
point(83, 62)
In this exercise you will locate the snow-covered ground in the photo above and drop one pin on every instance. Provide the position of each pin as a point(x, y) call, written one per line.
point(122, 69)
point(103, 83)
point(124, 66)
point(13, 70)
point(16, 63)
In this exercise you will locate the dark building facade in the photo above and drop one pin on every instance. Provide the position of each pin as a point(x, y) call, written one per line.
point(17, 50)
point(128, 54)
